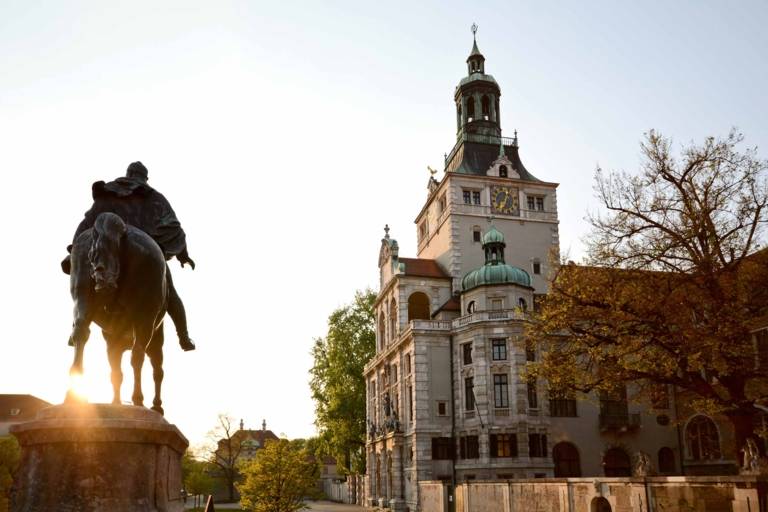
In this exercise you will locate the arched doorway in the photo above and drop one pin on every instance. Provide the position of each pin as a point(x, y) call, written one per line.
point(616, 463)
point(418, 306)
point(666, 461)
point(566, 458)
point(600, 505)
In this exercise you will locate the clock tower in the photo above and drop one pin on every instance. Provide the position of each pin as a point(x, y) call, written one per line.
point(484, 177)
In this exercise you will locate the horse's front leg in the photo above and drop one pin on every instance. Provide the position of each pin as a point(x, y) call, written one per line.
point(78, 338)
point(155, 353)
point(142, 334)
point(115, 348)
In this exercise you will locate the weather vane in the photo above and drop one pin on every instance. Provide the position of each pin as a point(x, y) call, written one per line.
point(474, 30)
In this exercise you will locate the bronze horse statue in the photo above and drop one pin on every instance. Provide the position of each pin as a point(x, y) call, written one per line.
point(119, 280)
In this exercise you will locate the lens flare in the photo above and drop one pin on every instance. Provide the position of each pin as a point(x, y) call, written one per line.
point(77, 387)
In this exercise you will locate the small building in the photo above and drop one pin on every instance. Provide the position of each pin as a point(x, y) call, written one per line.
point(17, 409)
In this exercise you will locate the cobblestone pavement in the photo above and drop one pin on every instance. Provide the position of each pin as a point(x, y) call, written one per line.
point(328, 506)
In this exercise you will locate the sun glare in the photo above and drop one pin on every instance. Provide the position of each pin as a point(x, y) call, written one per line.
point(78, 386)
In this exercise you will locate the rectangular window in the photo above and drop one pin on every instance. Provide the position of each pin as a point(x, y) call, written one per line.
point(476, 235)
point(500, 391)
point(442, 448)
point(393, 371)
point(423, 230)
point(761, 340)
point(441, 204)
point(530, 351)
point(469, 447)
point(503, 445)
point(533, 399)
point(531, 202)
point(497, 304)
point(540, 204)
point(408, 364)
point(659, 396)
point(442, 409)
point(475, 197)
point(466, 353)
point(469, 394)
point(410, 402)
point(537, 445)
point(499, 347)
point(562, 407)
point(536, 267)
point(467, 197)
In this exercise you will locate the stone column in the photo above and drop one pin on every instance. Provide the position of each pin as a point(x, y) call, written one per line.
point(99, 458)
point(397, 499)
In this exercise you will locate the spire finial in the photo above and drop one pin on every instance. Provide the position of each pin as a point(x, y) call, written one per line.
point(263, 424)
point(386, 231)
point(501, 147)
point(514, 140)
point(474, 31)
point(242, 424)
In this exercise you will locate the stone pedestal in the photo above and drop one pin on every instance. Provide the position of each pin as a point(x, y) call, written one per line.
point(99, 458)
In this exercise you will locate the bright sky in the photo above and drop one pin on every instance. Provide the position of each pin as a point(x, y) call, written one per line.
point(287, 134)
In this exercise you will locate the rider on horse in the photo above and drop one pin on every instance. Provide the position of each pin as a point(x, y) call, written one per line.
point(140, 205)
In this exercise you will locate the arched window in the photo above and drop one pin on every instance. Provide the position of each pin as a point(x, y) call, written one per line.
point(393, 319)
point(418, 306)
point(616, 463)
point(600, 504)
point(471, 307)
point(382, 324)
point(485, 104)
point(458, 115)
point(566, 457)
point(666, 461)
point(470, 108)
point(523, 304)
point(702, 439)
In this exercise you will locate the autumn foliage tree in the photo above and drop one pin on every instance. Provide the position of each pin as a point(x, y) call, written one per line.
point(278, 478)
point(673, 283)
point(337, 383)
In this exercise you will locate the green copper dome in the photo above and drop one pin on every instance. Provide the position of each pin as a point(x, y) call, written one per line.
point(495, 270)
point(495, 274)
point(493, 235)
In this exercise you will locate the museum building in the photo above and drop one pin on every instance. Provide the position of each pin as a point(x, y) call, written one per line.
point(447, 395)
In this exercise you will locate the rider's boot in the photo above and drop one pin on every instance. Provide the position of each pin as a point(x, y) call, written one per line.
point(179, 316)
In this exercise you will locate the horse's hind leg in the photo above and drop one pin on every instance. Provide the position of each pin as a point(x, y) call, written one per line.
point(115, 349)
point(155, 353)
point(141, 335)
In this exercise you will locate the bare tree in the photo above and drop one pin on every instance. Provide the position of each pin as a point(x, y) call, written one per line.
point(224, 449)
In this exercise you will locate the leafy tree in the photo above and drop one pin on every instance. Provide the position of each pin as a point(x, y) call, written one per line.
point(9, 462)
point(197, 476)
point(225, 447)
point(673, 284)
point(278, 478)
point(337, 383)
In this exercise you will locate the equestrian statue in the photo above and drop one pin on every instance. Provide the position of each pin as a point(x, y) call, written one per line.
point(119, 278)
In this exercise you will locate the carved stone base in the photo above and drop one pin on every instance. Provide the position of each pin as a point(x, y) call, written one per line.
point(99, 458)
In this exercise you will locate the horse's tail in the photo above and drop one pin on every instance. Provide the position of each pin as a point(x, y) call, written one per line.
point(104, 254)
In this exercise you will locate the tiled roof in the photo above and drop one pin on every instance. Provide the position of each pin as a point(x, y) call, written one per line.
point(423, 268)
point(20, 407)
point(453, 304)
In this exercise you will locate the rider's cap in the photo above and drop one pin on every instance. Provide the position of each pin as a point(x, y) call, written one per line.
point(137, 169)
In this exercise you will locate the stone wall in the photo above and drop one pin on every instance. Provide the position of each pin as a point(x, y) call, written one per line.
point(668, 494)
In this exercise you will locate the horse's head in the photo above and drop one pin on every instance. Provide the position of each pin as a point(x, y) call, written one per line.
point(104, 253)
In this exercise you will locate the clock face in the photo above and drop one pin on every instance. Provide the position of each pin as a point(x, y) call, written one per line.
point(504, 199)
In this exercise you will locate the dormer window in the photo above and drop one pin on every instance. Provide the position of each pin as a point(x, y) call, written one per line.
point(15, 412)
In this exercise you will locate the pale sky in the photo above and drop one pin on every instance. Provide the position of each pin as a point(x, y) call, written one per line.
point(286, 134)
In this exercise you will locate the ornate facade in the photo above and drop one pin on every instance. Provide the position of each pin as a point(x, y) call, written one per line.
point(447, 398)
